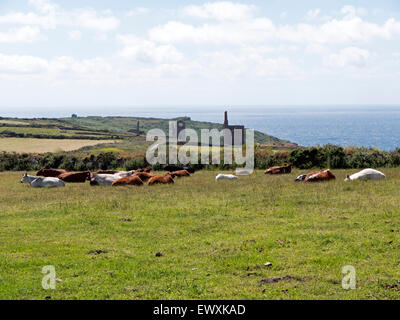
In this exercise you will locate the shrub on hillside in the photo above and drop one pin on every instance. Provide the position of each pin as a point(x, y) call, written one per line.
point(134, 164)
point(306, 158)
point(332, 157)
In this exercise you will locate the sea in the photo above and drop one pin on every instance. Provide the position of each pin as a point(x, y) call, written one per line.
point(359, 126)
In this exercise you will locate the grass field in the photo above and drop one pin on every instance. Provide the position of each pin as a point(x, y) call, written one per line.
point(214, 239)
point(32, 145)
point(12, 122)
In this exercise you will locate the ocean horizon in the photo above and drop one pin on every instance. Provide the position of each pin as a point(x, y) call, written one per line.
point(355, 125)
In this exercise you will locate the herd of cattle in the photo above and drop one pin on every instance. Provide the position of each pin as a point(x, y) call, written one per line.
point(58, 177)
point(315, 176)
point(324, 175)
point(318, 175)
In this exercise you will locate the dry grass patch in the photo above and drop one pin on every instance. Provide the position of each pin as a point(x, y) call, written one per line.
point(31, 145)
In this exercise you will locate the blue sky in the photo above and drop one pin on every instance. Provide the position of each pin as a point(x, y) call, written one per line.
point(58, 54)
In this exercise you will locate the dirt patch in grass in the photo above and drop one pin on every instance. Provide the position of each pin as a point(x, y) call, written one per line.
point(285, 278)
point(395, 287)
point(96, 252)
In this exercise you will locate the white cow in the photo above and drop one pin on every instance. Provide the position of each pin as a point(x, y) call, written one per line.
point(366, 174)
point(104, 179)
point(225, 177)
point(42, 182)
point(125, 173)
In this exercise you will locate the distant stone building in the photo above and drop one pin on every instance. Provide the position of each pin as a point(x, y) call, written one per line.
point(137, 130)
point(232, 128)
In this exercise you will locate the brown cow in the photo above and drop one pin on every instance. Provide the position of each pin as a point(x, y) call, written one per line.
point(179, 173)
point(131, 181)
point(279, 170)
point(167, 178)
point(78, 177)
point(144, 176)
point(147, 169)
point(50, 172)
point(320, 175)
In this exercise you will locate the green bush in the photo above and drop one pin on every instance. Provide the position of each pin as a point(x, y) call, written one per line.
point(134, 164)
point(306, 158)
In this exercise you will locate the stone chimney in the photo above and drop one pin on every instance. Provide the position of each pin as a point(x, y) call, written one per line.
point(226, 119)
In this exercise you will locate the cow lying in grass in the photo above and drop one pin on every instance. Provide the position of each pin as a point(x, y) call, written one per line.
point(179, 173)
point(113, 172)
point(279, 170)
point(75, 177)
point(225, 177)
point(40, 182)
point(301, 177)
point(105, 179)
point(144, 176)
point(147, 169)
point(366, 174)
point(165, 179)
point(128, 181)
point(171, 167)
point(50, 172)
point(319, 175)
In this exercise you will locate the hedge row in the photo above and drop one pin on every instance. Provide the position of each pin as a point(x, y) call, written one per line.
point(328, 156)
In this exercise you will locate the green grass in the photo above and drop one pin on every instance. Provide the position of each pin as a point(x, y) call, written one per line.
point(215, 238)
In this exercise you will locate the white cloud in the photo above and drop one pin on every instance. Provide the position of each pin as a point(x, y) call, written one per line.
point(50, 16)
point(25, 34)
point(248, 62)
point(223, 10)
point(147, 51)
point(255, 30)
point(43, 6)
point(47, 22)
point(22, 64)
point(75, 35)
point(59, 70)
point(349, 57)
point(258, 30)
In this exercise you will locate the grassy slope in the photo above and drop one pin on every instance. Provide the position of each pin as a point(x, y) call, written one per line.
point(123, 124)
point(97, 128)
point(226, 230)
